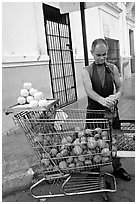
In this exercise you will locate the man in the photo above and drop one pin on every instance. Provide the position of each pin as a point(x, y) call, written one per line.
point(100, 80)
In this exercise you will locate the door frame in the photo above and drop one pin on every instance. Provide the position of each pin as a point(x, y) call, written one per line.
point(55, 19)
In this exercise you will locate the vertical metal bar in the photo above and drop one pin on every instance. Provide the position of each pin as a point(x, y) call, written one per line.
point(52, 54)
point(72, 59)
point(48, 51)
point(62, 63)
point(84, 32)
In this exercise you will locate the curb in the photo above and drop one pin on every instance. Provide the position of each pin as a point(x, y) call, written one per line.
point(18, 161)
point(17, 181)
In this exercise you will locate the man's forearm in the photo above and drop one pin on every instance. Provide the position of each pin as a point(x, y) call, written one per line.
point(96, 97)
point(119, 93)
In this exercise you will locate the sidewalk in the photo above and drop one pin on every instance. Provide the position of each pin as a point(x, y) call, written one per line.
point(18, 156)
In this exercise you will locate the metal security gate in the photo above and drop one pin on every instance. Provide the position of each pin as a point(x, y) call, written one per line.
point(61, 63)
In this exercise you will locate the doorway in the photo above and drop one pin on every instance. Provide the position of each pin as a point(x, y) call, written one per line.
point(59, 48)
point(113, 55)
point(131, 42)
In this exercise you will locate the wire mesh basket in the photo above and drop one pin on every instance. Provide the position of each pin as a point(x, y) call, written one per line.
point(70, 144)
point(65, 141)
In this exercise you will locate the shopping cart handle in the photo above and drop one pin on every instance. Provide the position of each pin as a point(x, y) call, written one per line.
point(6, 111)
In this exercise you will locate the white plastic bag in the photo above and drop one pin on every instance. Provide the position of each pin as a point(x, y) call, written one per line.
point(60, 117)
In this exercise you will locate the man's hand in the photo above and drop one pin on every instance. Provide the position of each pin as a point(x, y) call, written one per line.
point(108, 101)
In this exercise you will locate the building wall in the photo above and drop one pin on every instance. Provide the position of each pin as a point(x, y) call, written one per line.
point(12, 82)
point(24, 50)
point(23, 32)
point(24, 53)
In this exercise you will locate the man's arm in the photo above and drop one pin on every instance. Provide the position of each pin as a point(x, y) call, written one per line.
point(118, 83)
point(107, 102)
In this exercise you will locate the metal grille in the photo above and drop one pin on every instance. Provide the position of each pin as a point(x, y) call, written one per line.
point(61, 57)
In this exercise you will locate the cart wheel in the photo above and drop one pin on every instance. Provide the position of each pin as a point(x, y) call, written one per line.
point(105, 197)
point(42, 199)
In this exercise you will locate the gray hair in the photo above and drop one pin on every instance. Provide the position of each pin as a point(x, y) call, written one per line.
point(98, 41)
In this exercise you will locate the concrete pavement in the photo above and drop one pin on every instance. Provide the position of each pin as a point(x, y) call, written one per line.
point(125, 191)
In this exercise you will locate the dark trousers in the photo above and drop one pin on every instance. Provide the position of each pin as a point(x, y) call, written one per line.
point(93, 115)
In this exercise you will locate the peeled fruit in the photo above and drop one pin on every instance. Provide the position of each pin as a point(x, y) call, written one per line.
point(81, 158)
point(63, 147)
point(46, 162)
point(105, 152)
point(24, 92)
point(101, 143)
point(32, 91)
point(34, 103)
point(64, 152)
point(104, 137)
point(83, 146)
point(27, 85)
point(104, 133)
point(69, 160)
point(97, 136)
point(43, 102)
point(88, 162)
point(75, 160)
point(21, 100)
point(77, 150)
point(72, 165)
point(64, 141)
point(53, 152)
point(79, 163)
point(62, 165)
point(38, 95)
point(80, 134)
point(88, 131)
point(83, 142)
point(92, 143)
point(91, 139)
point(76, 142)
point(69, 139)
point(29, 98)
point(98, 130)
point(83, 139)
point(97, 158)
point(59, 155)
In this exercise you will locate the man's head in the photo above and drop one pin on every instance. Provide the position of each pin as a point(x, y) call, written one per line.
point(99, 50)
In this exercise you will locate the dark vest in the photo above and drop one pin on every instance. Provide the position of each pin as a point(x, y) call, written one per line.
point(104, 91)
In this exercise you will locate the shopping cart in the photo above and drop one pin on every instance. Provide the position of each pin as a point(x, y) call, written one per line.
point(67, 150)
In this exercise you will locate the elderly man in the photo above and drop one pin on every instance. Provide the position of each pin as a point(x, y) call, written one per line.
point(99, 79)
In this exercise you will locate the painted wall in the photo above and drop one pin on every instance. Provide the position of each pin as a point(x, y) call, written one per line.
point(24, 53)
point(18, 39)
point(23, 32)
point(92, 31)
point(12, 83)
point(76, 34)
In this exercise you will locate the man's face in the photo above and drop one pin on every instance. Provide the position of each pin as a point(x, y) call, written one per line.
point(100, 53)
